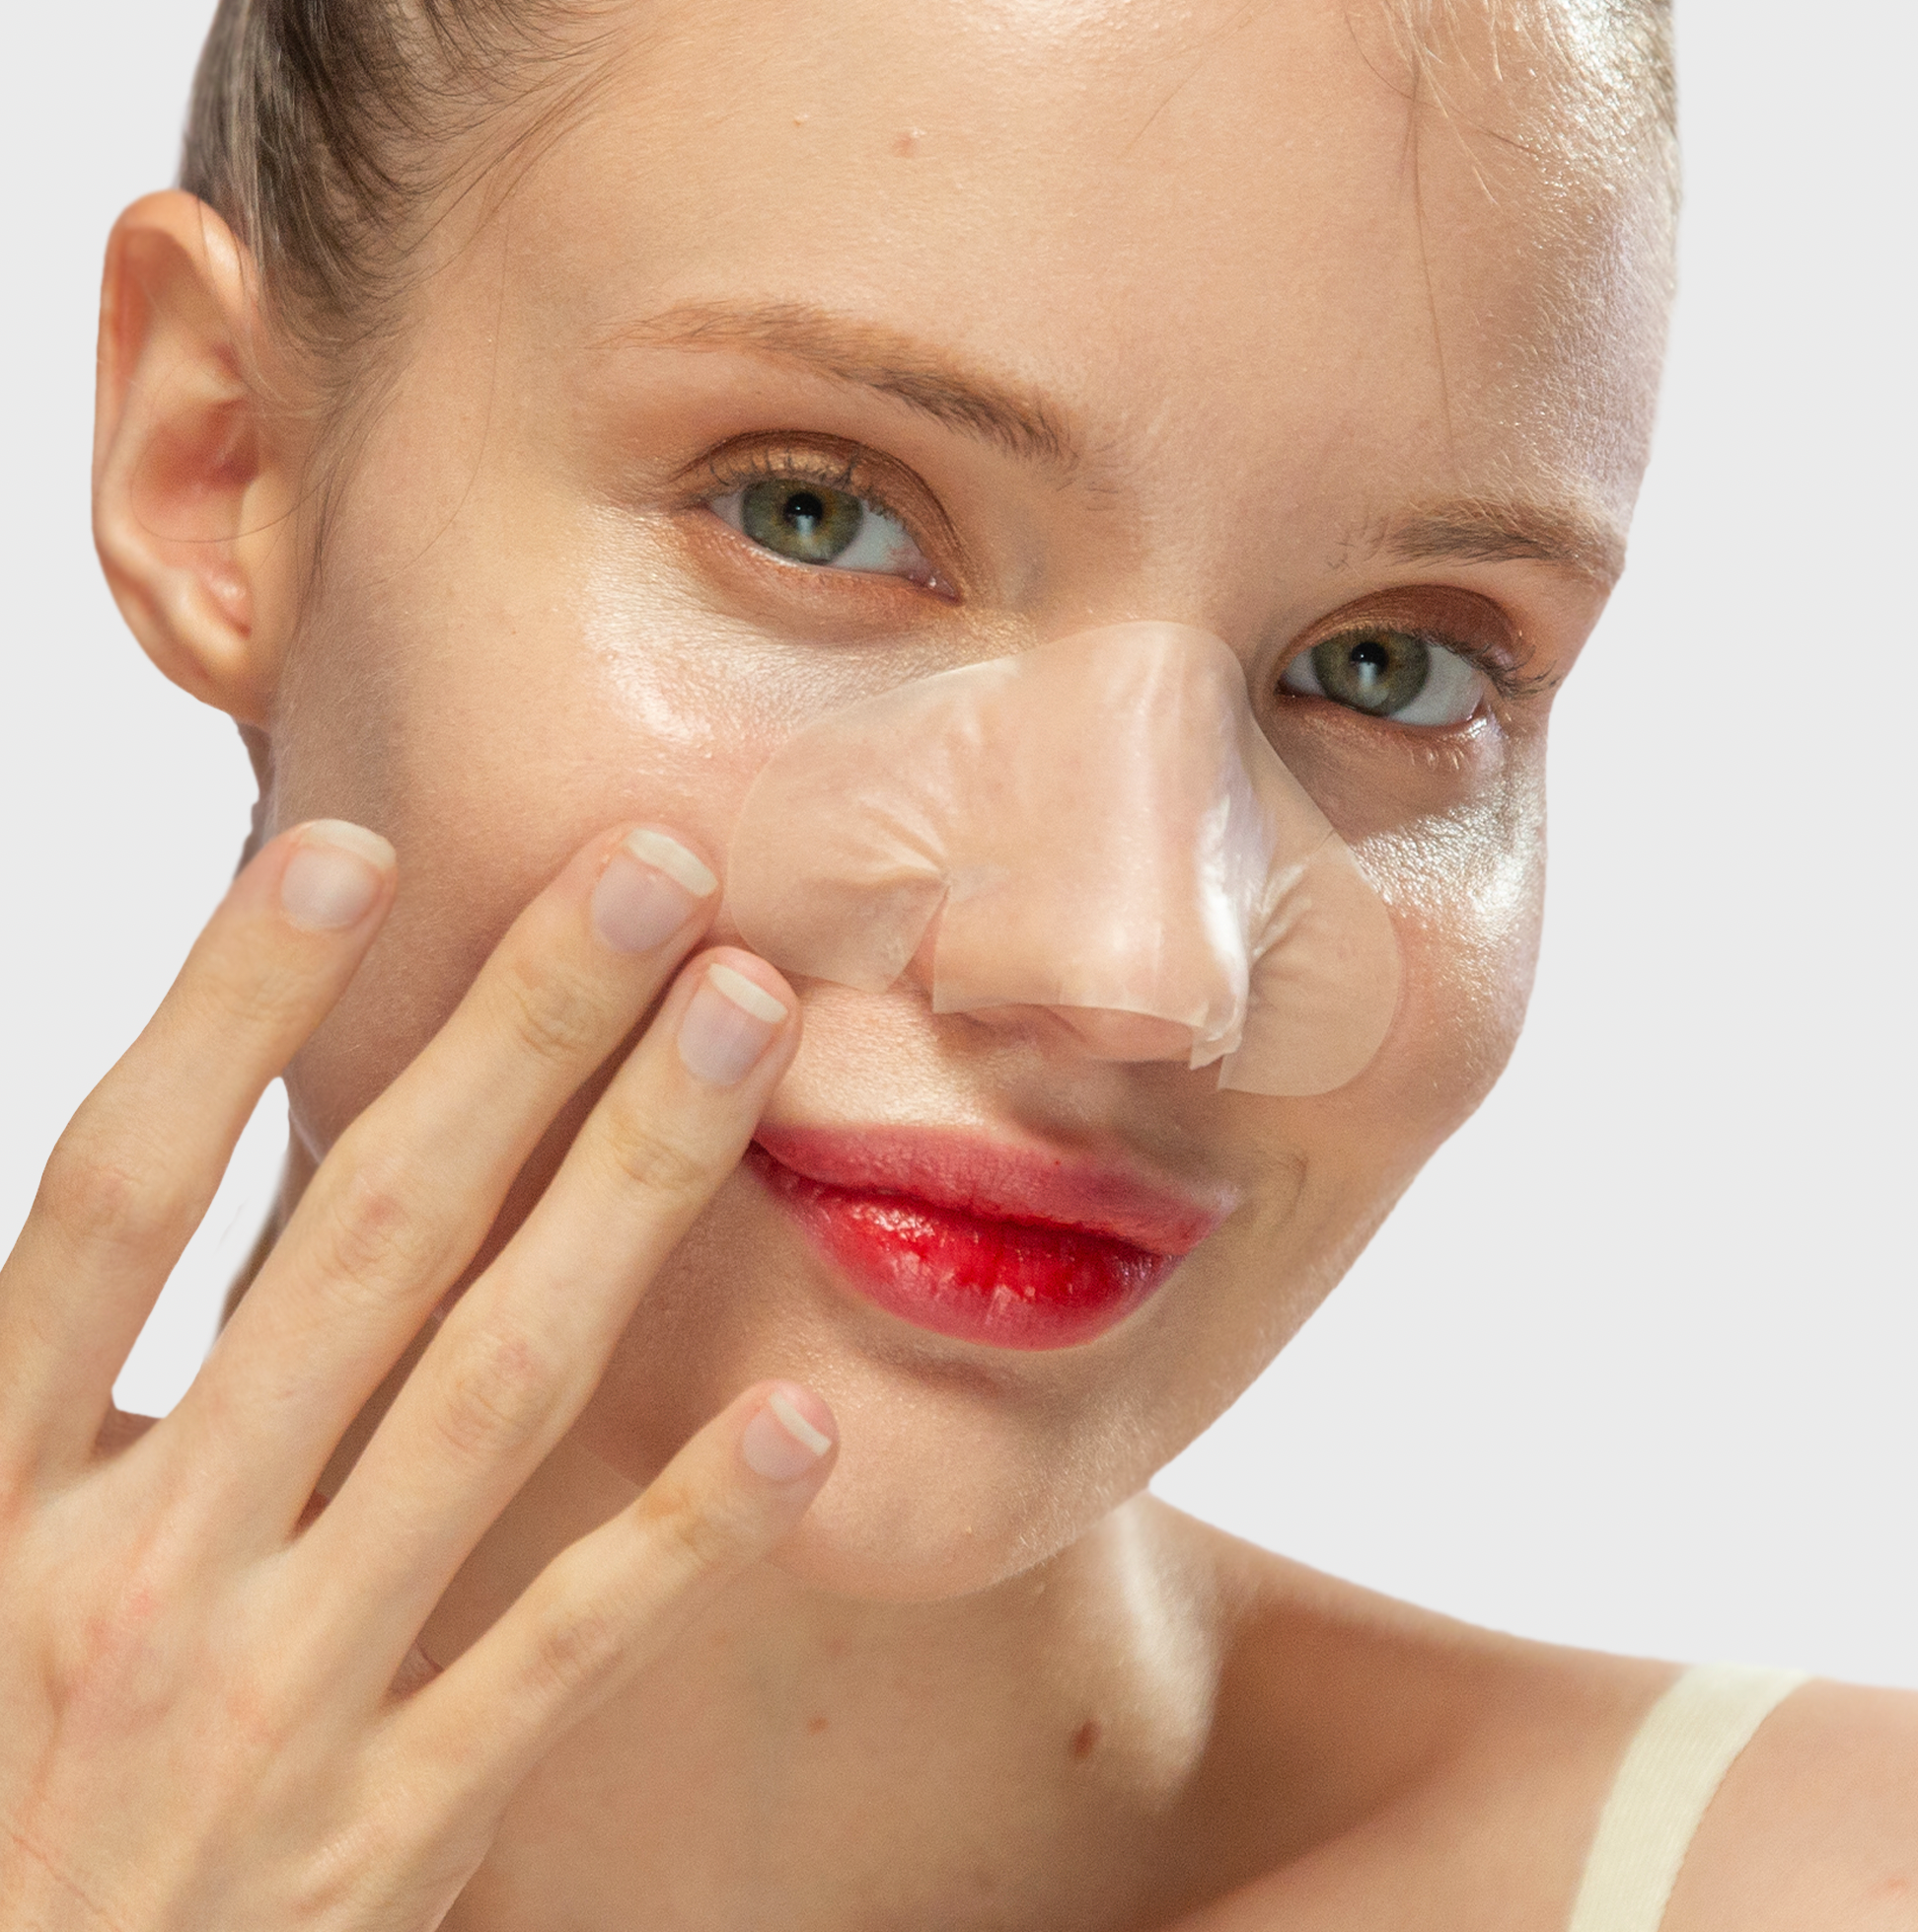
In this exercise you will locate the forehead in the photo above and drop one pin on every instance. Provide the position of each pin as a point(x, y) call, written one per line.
point(1227, 229)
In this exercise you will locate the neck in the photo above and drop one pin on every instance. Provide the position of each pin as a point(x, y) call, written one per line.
point(833, 1763)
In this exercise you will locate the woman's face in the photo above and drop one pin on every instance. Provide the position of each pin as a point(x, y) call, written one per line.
point(1109, 313)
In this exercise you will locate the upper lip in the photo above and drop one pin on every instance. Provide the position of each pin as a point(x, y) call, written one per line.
point(1002, 1181)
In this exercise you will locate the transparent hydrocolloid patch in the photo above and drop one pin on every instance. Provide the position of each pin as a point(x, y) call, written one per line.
point(1096, 826)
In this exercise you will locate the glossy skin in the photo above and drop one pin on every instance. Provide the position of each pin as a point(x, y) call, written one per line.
point(528, 624)
point(1276, 351)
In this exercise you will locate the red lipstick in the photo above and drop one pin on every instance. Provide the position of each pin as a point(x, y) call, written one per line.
point(976, 1239)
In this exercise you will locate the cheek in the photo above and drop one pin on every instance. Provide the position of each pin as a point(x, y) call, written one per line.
point(1468, 896)
point(1465, 886)
point(1466, 891)
point(1453, 840)
point(488, 744)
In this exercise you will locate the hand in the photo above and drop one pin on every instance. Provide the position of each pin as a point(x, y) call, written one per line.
point(200, 1725)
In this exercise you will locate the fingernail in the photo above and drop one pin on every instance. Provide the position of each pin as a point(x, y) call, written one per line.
point(649, 889)
point(334, 875)
point(728, 1023)
point(782, 1443)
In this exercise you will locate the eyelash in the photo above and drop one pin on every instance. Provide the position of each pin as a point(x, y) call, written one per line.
point(1504, 677)
point(1506, 683)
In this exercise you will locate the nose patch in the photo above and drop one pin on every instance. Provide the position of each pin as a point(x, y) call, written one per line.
point(1096, 824)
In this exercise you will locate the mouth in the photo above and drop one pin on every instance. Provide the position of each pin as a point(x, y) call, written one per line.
point(978, 1241)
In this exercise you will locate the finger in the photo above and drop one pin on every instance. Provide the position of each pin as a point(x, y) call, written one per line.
point(516, 1361)
point(407, 1195)
point(135, 1171)
point(612, 1602)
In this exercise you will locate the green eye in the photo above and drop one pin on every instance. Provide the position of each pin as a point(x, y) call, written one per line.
point(1379, 672)
point(807, 522)
point(802, 520)
point(1386, 673)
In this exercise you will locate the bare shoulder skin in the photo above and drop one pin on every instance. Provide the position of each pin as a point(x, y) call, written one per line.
point(1816, 1824)
point(1457, 1775)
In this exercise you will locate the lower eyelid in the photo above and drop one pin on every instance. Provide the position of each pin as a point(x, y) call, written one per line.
point(727, 509)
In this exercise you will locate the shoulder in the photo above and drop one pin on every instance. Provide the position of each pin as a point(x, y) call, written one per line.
point(1817, 1823)
point(1307, 1653)
point(1410, 1769)
point(1404, 1755)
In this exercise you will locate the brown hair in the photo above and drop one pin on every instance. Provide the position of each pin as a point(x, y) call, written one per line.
point(329, 132)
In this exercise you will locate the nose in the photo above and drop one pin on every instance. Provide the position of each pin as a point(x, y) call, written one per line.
point(1097, 1032)
point(1073, 830)
point(1093, 837)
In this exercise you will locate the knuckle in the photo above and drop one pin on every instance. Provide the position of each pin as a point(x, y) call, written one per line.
point(554, 1016)
point(652, 1156)
point(573, 1648)
point(105, 1191)
point(378, 1232)
point(115, 1643)
point(693, 1534)
point(499, 1391)
point(260, 1713)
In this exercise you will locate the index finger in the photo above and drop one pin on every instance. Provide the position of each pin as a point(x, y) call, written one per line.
point(137, 1169)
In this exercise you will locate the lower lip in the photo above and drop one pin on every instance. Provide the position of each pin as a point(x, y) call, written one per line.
point(1006, 1284)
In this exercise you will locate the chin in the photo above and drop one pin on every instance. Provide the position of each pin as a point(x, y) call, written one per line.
point(938, 1491)
point(959, 1466)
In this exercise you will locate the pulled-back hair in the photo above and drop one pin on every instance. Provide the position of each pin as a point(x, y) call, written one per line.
point(328, 133)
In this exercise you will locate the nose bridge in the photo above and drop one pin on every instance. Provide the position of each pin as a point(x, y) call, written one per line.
point(1095, 874)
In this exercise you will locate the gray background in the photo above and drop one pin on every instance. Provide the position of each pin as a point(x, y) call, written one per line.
point(1632, 1366)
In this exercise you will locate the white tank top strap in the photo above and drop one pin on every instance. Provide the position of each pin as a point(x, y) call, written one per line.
point(1670, 1774)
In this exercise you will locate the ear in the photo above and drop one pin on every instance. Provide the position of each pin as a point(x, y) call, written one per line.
point(195, 478)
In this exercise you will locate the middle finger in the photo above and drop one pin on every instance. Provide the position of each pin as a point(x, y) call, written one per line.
point(408, 1192)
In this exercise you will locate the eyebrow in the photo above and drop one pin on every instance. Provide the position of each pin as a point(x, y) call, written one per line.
point(870, 355)
point(1498, 529)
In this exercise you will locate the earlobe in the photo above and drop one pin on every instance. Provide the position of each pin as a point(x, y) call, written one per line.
point(194, 481)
